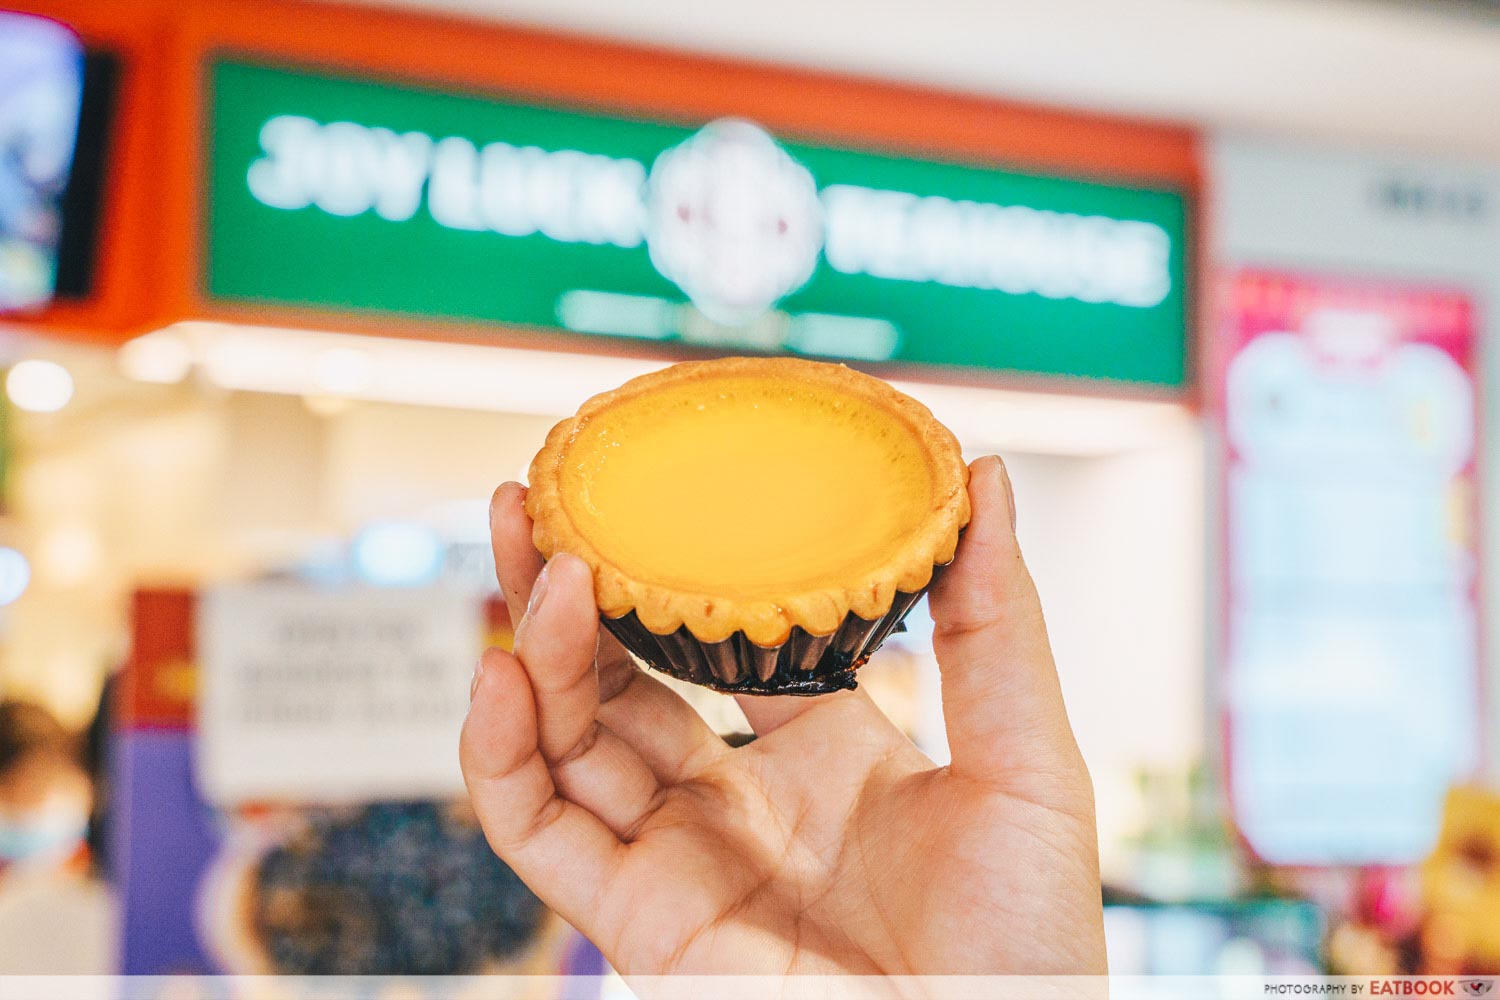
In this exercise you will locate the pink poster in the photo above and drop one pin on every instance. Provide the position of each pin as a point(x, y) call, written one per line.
point(1349, 408)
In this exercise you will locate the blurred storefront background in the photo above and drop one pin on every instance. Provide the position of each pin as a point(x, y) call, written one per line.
point(287, 289)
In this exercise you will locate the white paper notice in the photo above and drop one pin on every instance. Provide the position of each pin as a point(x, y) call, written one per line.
point(332, 696)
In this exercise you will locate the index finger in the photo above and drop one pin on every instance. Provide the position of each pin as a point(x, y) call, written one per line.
point(665, 730)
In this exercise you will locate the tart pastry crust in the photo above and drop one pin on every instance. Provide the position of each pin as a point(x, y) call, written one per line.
point(713, 617)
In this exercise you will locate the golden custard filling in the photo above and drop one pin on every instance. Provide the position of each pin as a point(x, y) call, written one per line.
point(746, 488)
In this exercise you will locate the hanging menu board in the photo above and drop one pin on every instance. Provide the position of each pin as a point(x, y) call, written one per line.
point(1352, 561)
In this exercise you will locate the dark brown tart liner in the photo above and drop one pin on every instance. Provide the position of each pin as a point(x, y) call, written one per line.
point(804, 664)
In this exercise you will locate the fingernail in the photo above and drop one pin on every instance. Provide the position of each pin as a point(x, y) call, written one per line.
point(538, 592)
point(478, 673)
point(1010, 493)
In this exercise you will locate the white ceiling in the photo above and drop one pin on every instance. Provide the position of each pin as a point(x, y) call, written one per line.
point(1376, 72)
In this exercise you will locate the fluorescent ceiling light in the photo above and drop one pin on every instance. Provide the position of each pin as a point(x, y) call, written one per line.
point(162, 357)
point(548, 383)
point(39, 386)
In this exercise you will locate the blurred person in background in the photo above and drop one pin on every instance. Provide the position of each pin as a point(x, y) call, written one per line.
point(54, 917)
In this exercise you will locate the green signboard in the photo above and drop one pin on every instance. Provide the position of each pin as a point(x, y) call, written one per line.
point(359, 195)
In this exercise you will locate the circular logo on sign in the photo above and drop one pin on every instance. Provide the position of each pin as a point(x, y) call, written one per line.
point(733, 220)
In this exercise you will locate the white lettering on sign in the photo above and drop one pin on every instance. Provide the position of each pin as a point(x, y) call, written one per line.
point(343, 168)
point(346, 169)
point(904, 237)
point(565, 195)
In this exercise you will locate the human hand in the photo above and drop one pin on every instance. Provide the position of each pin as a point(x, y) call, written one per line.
point(831, 844)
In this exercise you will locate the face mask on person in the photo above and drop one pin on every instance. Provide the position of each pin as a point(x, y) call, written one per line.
point(50, 832)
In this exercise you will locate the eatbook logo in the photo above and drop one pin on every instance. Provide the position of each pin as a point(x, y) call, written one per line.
point(1477, 987)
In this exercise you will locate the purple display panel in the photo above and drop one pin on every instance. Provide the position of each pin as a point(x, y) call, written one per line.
point(164, 838)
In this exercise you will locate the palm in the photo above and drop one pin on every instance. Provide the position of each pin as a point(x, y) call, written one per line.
point(814, 864)
point(831, 844)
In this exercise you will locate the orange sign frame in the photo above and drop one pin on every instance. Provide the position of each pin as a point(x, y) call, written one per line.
point(149, 272)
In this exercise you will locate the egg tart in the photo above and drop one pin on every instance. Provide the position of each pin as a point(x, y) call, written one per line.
point(756, 525)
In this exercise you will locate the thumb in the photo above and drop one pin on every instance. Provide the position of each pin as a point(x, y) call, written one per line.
point(1001, 698)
